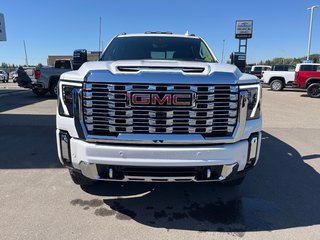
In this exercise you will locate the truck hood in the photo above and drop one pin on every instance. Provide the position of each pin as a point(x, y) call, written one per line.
point(160, 71)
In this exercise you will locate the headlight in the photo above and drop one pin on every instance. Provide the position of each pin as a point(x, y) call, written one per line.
point(67, 93)
point(254, 104)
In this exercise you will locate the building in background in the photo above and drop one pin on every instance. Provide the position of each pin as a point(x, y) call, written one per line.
point(92, 56)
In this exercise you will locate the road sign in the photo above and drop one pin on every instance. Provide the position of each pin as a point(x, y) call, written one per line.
point(3, 36)
point(244, 29)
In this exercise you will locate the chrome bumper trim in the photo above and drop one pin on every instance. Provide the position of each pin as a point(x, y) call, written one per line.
point(90, 171)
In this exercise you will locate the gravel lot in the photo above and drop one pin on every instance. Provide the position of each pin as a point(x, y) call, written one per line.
point(278, 200)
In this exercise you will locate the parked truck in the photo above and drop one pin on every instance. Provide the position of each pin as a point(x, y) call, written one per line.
point(280, 77)
point(158, 107)
point(307, 76)
point(257, 70)
point(45, 79)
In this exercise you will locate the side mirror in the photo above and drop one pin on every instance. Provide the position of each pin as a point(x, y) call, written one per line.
point(80, 56)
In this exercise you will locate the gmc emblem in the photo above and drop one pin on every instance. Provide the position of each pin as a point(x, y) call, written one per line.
point(161, 99)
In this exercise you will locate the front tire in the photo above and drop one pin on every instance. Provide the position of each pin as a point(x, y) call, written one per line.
point(314, 90)
point(276, 85)
point(79, 179)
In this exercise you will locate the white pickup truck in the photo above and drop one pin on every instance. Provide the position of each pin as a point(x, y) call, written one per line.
point(277, 80)
point(158, 107)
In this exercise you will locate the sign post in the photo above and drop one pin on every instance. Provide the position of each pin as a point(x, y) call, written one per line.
point(243, 33)
point(3, 36)
point(244, 29)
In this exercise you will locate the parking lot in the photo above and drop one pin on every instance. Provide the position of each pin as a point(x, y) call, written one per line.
point(278, 200)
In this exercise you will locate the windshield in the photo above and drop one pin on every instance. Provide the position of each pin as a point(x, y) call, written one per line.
point(157, 48)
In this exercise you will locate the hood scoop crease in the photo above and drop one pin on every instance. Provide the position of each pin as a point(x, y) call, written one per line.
point(160, 69)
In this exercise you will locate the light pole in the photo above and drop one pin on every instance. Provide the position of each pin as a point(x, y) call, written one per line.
point(25, 52)
point(310, 30)
point(100, 37)
point(222, 57)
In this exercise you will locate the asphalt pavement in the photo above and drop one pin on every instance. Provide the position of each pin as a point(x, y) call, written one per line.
point(278, 200)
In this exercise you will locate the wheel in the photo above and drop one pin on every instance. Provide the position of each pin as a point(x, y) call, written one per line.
point(38, 92)
point(53, 89)
point(234, 182)
point(314, 90)
point(79, 179)
point(276, 85)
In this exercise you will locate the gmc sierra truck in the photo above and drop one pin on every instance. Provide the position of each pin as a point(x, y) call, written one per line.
point(158, 107)
point(307, 76)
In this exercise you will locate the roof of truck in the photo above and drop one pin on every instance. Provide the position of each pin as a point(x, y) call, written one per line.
point(158, 34)
point(308, 64)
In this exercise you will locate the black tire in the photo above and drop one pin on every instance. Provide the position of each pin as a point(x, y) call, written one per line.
point(38, 92)
point(53, 89)
point(234, 182)
point(79, 179)
point(276, 85)
point(314, 90)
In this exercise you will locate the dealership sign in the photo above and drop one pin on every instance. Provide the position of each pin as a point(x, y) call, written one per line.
point(3, 36)
point(244, 29)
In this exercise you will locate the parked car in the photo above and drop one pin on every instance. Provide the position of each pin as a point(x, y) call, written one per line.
point(258, 69)
point(13, 75)
point(277, 79)
point(4, 76)
point(307, 76)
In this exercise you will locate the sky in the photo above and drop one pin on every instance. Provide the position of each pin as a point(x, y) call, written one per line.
point(58, 27)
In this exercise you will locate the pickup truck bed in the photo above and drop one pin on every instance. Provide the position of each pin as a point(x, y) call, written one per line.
point(40, 80)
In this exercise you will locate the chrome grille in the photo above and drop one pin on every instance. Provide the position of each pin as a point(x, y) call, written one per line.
point(106, 110)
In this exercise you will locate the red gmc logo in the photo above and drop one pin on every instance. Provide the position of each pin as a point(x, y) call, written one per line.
point(161, 99)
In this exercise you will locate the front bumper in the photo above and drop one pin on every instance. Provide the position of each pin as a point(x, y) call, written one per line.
point(200, 163)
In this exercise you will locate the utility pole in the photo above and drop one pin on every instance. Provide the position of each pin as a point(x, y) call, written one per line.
point(222, 57)
point(25, 52)
point(100, 36)
point(310, 29)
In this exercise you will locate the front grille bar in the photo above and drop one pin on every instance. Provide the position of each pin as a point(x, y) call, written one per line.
point(107, 111)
